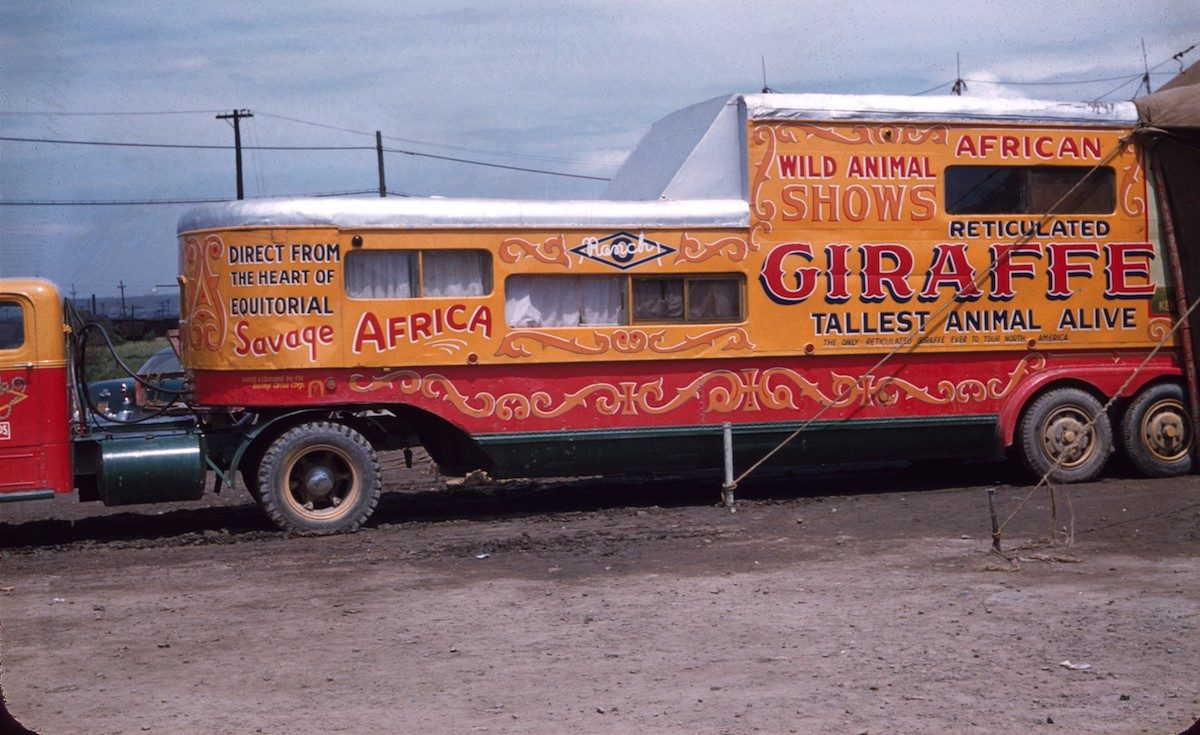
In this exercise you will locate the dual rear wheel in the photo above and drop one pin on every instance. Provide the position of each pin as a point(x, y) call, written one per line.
point(1157, 432)
point(1066, 436)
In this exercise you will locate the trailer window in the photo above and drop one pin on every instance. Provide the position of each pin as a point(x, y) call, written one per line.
point(687, 299)
point(658, 299)
point(456, 273)
point(1030, 190)
point(564, 301)
point(12, 325)
point(407, 274)
point(572, 301)
point(381, 274)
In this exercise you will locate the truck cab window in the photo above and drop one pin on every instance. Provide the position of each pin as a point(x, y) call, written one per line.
point(12, 325)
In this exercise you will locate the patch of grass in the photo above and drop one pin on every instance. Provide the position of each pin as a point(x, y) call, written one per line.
point(102, 366)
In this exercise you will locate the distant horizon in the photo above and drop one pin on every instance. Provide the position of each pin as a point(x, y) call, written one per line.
point(138, 306)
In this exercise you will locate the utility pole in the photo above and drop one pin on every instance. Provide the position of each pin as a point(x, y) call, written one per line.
point(959, 84)
point(237, 116)
point(73, 296)
point(379, 155)
point(121, 286)
point(1146, 76)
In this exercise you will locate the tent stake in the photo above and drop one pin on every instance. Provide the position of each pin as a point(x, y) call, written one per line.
point(730, 486)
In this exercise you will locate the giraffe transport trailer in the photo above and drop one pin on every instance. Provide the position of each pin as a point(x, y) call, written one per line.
point(899, 278)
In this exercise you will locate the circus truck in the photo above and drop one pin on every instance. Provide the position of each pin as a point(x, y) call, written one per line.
point(808, 278)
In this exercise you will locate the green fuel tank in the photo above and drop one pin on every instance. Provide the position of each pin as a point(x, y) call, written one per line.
point(151, 468)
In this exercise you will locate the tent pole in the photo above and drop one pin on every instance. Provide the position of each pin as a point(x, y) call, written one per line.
point(1181, 308)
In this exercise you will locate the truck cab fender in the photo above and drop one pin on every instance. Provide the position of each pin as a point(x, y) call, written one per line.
point(269, 426)
point(385, 427)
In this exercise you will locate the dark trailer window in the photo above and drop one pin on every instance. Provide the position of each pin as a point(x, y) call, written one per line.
point(1030, 190)
point(12, 325)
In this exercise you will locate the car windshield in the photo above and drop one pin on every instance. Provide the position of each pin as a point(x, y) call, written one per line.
point(163, 361)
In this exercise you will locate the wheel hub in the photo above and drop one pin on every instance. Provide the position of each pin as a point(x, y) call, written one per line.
point(318, 482)
point(1067, 439)
point(1165, 432)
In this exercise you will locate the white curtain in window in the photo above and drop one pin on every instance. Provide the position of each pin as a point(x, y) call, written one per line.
point(380, 274)
point(603, 300)
point(456, 273)
point(563, 301)
point(541, 301)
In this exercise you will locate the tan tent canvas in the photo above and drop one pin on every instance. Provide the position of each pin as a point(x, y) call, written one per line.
point(1174, 108)
point(1169, 128)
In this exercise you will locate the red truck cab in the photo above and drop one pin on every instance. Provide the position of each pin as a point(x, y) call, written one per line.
point(35, 441)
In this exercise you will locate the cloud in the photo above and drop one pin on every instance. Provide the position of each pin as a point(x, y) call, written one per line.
point(985, 84)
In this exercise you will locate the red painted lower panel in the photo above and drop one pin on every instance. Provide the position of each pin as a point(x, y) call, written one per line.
point(35, 446)
point(673, 393)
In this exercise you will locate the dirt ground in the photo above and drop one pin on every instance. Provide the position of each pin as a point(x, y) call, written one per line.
point(846, 600)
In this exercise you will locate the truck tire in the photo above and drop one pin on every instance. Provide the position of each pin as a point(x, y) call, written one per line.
point(1156, 432)
point(1053, 439)
point(319, 478)
point(249, 467)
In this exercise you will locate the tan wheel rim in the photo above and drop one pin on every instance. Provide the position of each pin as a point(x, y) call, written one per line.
point(1067, 439)
point(1164, 430)
point(321, 483)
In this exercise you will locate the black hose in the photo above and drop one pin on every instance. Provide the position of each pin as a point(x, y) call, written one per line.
point(82, 329)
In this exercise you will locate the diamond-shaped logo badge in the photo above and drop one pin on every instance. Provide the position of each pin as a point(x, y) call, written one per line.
point(622, 250)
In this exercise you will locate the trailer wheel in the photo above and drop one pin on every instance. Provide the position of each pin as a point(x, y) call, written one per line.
point(319, 478)
point(1156, 432)
point(1054, 436)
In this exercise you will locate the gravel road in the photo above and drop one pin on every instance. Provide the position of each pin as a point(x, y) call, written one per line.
point(844, 600)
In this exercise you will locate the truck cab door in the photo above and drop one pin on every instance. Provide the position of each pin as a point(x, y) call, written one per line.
point(35, 445)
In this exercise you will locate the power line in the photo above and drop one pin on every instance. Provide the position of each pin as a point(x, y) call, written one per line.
point(338, 128)
point(1119, 86)
point(1064, 83)
point(193, 146)
point(140, 202)
point(927, 91)
point(531, 156)
point(1177, 57)
point(1126, 79)
point(64, 113)
point(495, 165)
point(58, 141)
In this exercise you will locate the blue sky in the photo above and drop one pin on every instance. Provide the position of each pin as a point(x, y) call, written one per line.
point(565, 86)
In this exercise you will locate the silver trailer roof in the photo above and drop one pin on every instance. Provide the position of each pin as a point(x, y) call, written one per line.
point(948, 108)
point(433, 213)
point(689, 170)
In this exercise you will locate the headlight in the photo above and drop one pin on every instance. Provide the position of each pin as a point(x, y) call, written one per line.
point(102, 402)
